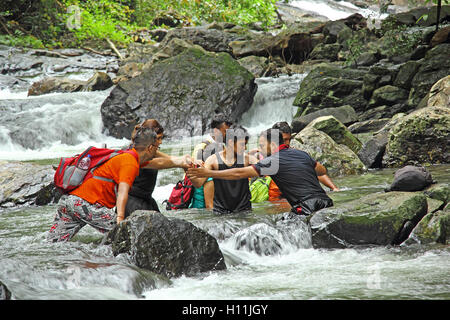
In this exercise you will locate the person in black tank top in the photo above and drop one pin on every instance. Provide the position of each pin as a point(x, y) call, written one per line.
point(230, 196)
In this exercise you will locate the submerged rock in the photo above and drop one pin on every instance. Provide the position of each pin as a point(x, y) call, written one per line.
point(376, 219)
point(168, 246)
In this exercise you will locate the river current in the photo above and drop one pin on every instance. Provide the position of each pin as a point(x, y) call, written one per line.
point(277, 261)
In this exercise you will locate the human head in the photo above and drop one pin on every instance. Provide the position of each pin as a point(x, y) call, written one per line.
point(269, 141)
point(145, 141)
point(237, 137)
point(219, 125)
point(150, 124)
point(285, 130)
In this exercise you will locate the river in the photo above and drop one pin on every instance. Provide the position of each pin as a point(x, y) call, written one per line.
point(277, 263)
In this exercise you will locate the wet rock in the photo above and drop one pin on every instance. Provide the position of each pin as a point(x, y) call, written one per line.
point(168, 246)
point(337, 131)
point(345, 114)
point(388, 95)
point(26, 184)
point(433, 67)
point(258, 66)
point(433, 228)
point(5, 294)
point(371, 153)
point(329, 86)
point(405, 74)
point(99, 81)
point(411, 18)
point(337, 158)
point(439, 191)
point(368, 125)
point(325, 51)
point(376, 219)
point(421, 137)
point(183, 92)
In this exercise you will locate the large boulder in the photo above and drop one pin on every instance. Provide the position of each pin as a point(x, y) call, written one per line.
point(337, 131)
point(183, 92)
point(24, 183)
point(168, 246)
point(337, 158)
point(421, 137)
point(330, 86)
point(375, 219)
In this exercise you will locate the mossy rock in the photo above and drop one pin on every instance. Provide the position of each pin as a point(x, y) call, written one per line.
point(337, 158)
point(376, 219)
point(337, 131)
point(329, 86)
point(421, 137)
point(434, 227)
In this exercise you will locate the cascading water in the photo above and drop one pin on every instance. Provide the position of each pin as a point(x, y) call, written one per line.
point(268, 255)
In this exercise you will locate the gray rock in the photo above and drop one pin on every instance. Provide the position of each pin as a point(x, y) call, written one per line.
point(5, 294)
point(183, 92)
point(376, 219)
point(26, 184)
point(345, 114)
point(168, 246)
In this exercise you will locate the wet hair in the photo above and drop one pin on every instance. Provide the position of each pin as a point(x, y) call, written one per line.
point(283, 126)
point(150, 124)
point(273, 135)
point(220, 119)
point(237, 132)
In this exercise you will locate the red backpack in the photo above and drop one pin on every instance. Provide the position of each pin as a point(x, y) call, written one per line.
point(181, 195)
point(68, 176)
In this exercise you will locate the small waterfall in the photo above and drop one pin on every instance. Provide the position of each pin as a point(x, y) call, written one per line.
point(272, 102)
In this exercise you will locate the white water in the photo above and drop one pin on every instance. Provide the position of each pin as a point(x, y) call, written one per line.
point(335, 10)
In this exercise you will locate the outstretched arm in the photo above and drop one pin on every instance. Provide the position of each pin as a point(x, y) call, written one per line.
point(166, 162)
point(229, 174)
point(324, 178)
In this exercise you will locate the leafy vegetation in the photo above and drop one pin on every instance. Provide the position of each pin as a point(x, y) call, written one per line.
point(58, 23)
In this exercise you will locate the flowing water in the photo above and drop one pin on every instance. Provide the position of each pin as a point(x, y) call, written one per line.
point(267, 256)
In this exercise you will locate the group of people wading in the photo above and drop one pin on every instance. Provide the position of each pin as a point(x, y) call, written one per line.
point(219, 169)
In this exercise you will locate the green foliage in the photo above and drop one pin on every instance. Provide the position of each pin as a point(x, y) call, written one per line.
point(98, 20)
point(195, 12)
point(21, 41)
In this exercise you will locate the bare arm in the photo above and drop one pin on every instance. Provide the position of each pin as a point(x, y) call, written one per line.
point(229, 174)
point(166, 162)
point(121, 201)
point(324, 178)
point(208, 193)
point(210, 164)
